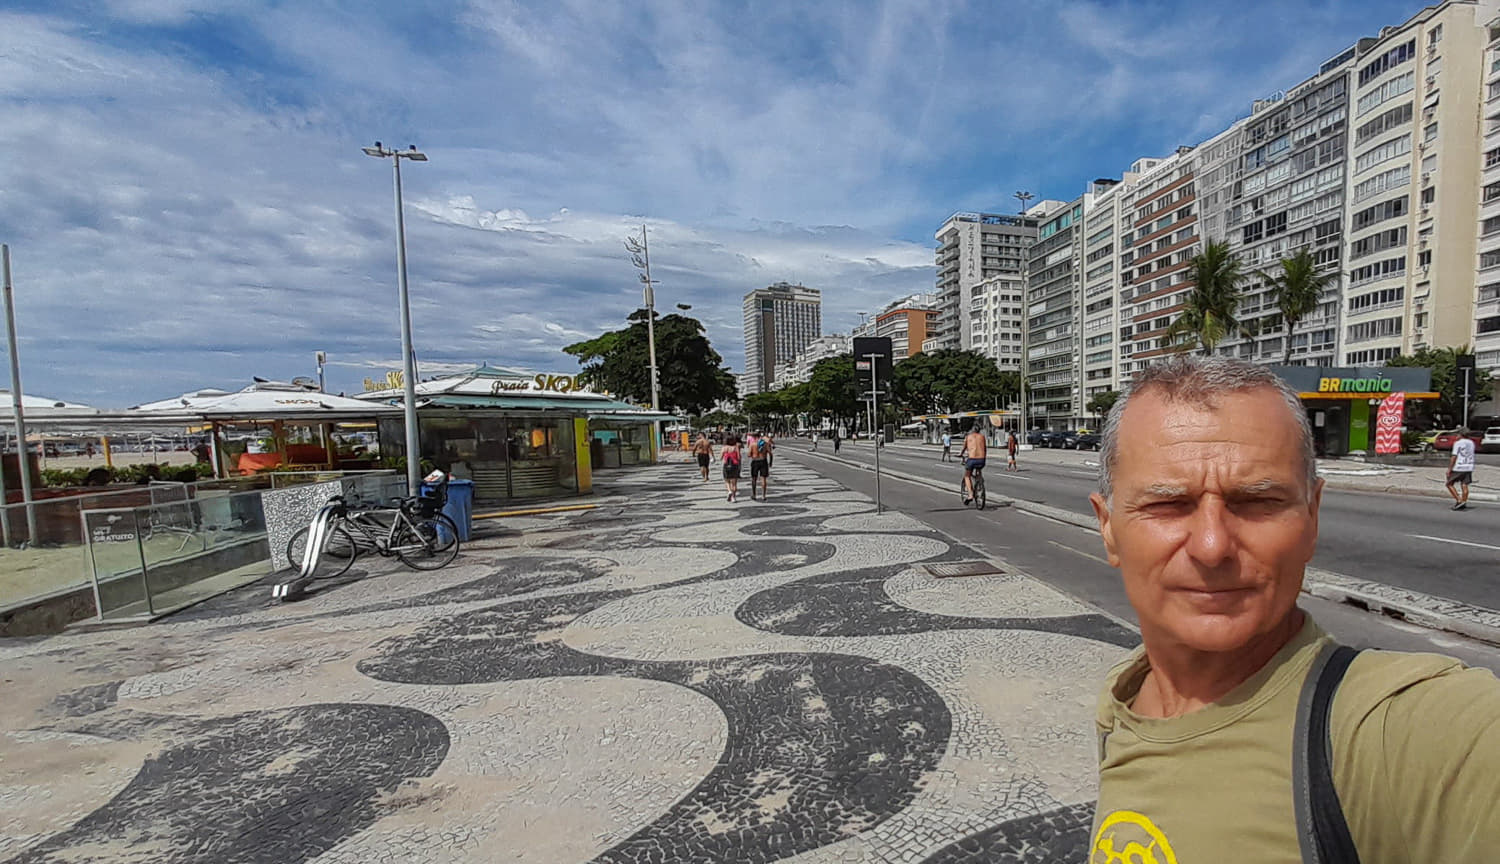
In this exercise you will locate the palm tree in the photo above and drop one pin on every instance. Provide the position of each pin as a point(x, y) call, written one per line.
point(1208, 311)
point(1296, 290)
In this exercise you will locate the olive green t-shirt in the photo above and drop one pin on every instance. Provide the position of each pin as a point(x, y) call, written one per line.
point(1416, 762)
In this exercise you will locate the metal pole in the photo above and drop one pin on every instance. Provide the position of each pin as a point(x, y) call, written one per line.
point(408, 359)
point(874, 397)
point(22, 457)
point(651, 339)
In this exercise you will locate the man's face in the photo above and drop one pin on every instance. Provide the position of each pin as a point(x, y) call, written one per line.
point(1211, 522)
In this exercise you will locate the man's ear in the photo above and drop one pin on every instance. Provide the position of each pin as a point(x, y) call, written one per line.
point(1106, 528)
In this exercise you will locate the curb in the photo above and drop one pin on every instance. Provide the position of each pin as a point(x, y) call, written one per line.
point(1412, 607)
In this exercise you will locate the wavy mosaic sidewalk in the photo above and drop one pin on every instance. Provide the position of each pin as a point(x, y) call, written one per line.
point(667, 678)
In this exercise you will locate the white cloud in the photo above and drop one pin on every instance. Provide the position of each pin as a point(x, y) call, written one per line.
point(187, 204)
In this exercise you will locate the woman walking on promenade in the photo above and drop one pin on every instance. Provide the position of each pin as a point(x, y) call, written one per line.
point(732, 466)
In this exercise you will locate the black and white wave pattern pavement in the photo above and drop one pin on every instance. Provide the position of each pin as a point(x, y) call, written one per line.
point(668, 678)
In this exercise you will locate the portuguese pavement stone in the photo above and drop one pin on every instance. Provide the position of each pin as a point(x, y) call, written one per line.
point(668, 677)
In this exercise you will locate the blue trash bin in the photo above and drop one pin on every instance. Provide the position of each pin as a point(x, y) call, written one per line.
point(460, 505)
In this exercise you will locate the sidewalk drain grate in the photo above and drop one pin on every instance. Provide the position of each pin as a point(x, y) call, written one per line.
point(962, 568)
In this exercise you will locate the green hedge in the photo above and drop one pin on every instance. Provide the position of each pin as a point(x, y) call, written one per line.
point(129, 474)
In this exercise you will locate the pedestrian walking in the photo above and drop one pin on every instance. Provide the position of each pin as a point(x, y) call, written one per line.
point(760, 465)
point(815, 440)
point(704, 450)
point(947, 446)
point(836, 441)
point(732, 467)
point(1011, 446)
point(1240, 731)
point(1461, 468)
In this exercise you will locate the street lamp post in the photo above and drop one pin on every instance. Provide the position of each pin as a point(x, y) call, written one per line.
point(408, 359)
point(1025, 198)
point(640, 255)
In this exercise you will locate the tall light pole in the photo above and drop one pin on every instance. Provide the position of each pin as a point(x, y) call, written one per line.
point(1025, 198)
point(408, 359)
point(640, 255)
point(22, 456)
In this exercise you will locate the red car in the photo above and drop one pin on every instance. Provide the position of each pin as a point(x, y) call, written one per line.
point(1446, 440)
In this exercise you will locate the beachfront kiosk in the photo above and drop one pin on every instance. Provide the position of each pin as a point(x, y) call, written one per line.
point(519, 434)
point(1341, 402)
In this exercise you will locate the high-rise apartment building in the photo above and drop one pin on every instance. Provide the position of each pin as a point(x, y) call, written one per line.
point(906, 323)
point(1158, 231)
point(974, 248)
point(780, 320)
point(995, 319)
point(1487, 281)
point(1054, 282)
point(1102, 239)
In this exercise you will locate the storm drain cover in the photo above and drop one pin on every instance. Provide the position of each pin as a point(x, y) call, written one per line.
point(962, 568)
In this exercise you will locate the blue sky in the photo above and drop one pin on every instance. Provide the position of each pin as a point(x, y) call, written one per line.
point(187, 205)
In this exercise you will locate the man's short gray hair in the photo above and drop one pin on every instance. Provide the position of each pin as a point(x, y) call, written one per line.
point(1200, 381)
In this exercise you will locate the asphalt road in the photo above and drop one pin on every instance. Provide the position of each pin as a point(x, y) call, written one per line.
point(1071, 559)
point(1403, 540)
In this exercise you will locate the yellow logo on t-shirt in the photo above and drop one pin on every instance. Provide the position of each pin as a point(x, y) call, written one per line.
point(1127, 837)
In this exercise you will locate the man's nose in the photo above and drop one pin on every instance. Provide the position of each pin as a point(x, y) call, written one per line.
point(1210, 541)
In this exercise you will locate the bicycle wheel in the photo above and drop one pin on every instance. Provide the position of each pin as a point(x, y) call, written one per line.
point(434, 545)
point(338, 552)
point(979, 490)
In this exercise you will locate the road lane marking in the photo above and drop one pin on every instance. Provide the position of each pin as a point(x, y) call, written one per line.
point(1079, 552)
point(1457, 542)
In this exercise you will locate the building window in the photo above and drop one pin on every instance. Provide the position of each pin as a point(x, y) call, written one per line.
point(1388, 120)
point(1387, 61)
point(1384, 93)
point(1377, 329)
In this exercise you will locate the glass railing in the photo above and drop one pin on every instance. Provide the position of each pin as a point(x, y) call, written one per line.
point(51, 560)
point(153, 548)
point(154, 559)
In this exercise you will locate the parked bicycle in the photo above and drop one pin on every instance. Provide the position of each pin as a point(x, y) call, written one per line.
point(977, 473)
point(413, 531)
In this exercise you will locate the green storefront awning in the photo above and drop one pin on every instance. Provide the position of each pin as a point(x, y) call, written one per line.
point(611, 409)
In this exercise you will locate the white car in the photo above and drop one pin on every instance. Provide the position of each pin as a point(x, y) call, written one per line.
point(1491, 439)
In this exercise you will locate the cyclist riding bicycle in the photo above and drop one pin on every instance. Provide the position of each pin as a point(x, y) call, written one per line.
point(974, 452)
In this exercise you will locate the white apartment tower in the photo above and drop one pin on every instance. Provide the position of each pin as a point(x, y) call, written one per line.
point(975, 248)
point(1487, 282)
point(780, 321)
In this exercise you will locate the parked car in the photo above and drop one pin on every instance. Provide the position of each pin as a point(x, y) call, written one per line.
point(1083, 440)
point(1446, 440)
point(1035, 437)
point(1052, 439)
point(1491, 440)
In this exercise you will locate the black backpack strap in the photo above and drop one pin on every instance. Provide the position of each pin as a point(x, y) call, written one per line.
point(1321, 829)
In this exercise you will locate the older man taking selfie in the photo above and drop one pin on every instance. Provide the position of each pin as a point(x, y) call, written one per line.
point(1239, 731)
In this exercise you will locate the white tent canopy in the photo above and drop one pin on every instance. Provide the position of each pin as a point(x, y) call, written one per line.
point(41, 408)
point(263, 400)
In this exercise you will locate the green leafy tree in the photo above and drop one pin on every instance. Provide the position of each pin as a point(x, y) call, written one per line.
point(1447, 384)
point(691, 373)
point(1296, 290)
point(1101, 403)
point(763, 408)
point(834, 391)
point(941, 382)
point(720, 420)
point(1209, 310)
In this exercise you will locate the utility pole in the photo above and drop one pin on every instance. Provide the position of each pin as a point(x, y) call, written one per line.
point(408, 356)
point(640, 255)
point(1025, 198)
point(22, 457)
